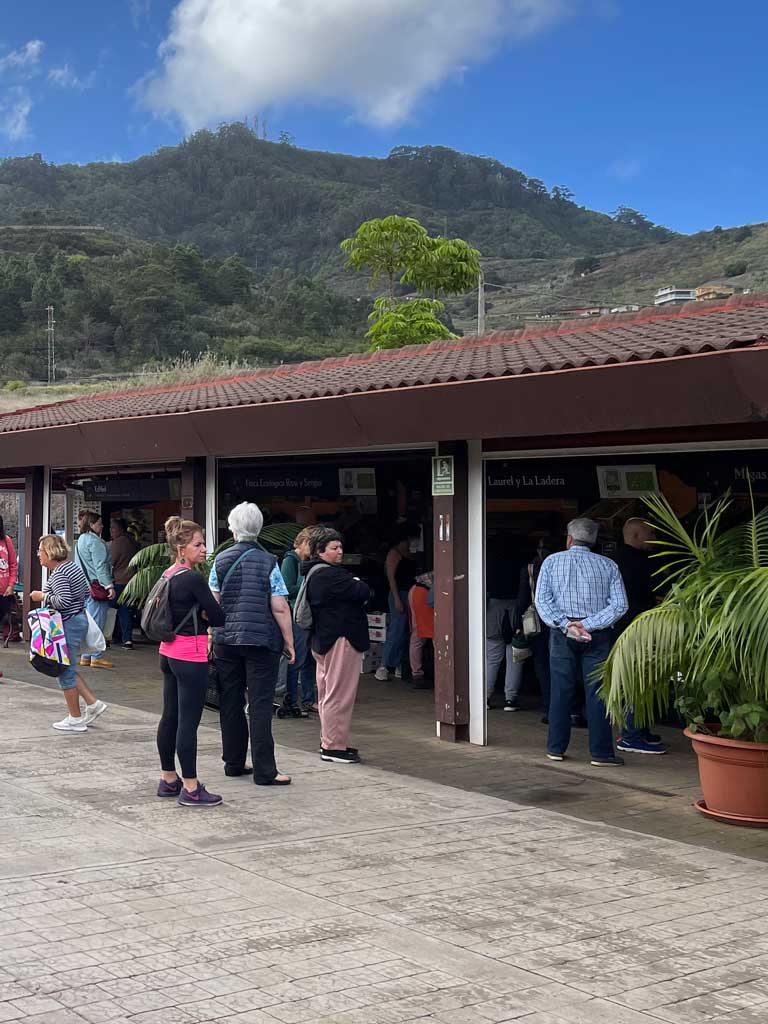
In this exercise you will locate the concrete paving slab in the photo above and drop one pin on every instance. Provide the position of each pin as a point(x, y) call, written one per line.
point(356, 895)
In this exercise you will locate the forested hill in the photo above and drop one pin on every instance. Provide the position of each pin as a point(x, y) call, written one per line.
point(279, 206)
point(230, 243)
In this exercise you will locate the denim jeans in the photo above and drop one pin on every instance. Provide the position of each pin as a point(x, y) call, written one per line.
point(125, 614)
point(303, 668)
point(398, 634)
point(75, 628)
point(570, 663)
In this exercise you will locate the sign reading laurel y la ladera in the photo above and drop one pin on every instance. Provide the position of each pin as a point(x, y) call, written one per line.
point(442, 475)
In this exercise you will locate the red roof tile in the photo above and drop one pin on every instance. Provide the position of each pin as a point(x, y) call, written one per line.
point(694, 328)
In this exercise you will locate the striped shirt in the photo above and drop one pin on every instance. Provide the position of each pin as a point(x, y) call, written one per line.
point(579, 585)
point(66, 589)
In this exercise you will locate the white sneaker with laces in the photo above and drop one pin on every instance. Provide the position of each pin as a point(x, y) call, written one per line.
point(381, 673)
point(92, 711)
point(70, 724)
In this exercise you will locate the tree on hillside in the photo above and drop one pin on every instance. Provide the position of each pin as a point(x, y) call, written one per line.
point(402, 252)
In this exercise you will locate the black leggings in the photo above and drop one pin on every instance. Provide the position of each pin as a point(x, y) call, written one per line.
point(184, 687)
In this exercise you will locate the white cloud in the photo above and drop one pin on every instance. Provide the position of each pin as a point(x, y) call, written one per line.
point(224, 58)
point(24, 59)
point(15, 107)
point(65, 78)
point(139, 10)
point(625, 168)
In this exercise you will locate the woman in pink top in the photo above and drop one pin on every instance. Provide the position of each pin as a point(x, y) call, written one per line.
point(9, 574)
point(184, 664)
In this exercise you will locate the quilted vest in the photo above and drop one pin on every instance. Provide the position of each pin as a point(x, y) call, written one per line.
point(245, 594)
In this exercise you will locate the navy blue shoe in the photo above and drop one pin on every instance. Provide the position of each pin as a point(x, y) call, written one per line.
point(640, 746)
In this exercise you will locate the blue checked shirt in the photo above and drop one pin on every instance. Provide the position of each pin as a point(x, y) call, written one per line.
point(578, 584)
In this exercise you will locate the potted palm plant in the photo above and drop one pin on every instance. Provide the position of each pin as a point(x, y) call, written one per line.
point(150, 563)
point(704, 649)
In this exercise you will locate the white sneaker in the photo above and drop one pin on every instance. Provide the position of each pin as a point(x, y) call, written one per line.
point(92, 711)
point(381, 673)
point(70, 724)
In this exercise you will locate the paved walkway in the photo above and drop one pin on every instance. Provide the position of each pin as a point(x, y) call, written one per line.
point(394, 726)
point(356, 896)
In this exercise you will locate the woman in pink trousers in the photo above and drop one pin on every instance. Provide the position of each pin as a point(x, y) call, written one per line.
point(339, 638)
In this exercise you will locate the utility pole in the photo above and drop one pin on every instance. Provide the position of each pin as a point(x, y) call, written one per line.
point(481, 303)
point(51, 332)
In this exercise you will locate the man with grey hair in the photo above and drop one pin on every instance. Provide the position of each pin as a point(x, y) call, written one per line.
point(580, 595)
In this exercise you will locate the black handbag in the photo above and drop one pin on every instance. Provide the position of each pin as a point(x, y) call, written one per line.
point(46, 667)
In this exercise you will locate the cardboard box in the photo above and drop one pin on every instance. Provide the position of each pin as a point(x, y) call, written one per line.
point(372, 658)
point(377, 620)
point(377, 635)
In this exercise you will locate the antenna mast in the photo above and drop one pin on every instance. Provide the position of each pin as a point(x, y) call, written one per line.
point(51, 332)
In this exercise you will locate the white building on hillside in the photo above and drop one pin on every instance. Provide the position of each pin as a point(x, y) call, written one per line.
point(670, 295)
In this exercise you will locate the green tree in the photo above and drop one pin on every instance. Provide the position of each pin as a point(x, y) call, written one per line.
point(413, 322)
point(402, 252)
point(388, 247)
point(736, 268)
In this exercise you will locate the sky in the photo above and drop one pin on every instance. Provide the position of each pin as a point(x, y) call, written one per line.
point(655, 104)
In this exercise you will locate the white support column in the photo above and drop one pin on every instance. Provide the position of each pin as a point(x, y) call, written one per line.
point(478, 732)
point(211, 502)
point(46, 510)
point(46, 499)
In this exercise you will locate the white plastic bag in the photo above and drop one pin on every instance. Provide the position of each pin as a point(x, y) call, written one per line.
point(93, 642)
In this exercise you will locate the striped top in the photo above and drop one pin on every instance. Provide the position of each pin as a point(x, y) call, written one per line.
point(66, 589)
point(580, 585)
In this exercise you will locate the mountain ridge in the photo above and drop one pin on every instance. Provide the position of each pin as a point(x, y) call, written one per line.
point(230, 243)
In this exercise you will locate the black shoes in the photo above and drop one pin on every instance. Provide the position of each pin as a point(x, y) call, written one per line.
point(348, 756)
point(234, 772)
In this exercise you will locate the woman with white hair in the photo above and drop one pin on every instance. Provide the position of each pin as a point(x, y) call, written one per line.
point(247, 649)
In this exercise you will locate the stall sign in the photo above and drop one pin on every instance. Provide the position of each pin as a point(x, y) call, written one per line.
point(132, 489)
point(505, 479)
point(299, 481)
point(353, 481)
point(627, 481)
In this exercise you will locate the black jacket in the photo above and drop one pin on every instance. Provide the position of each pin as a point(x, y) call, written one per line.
point(338, 603)
point(637, 575)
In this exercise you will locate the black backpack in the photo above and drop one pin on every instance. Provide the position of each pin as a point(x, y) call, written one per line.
point(156, 618)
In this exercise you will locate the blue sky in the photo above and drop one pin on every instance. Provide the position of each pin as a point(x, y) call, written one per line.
point(657, 105)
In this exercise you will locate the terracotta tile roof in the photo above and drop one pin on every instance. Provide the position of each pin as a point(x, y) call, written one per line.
point(691, 329)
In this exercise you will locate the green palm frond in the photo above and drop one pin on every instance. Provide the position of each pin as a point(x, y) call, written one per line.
point(648, 654)
point(151, 562)
point(708, 638)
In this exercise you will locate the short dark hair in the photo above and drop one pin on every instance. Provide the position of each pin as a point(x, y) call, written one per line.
point(320, 538)
point(406, 531)
point(2, 529)
point(119, 521)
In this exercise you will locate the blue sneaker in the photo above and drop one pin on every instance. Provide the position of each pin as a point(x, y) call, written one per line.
point(640, 746)
point(652, 737)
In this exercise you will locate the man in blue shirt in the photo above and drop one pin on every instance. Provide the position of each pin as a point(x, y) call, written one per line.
point(580, 595)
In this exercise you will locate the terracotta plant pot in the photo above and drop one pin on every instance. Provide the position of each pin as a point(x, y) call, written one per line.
point(734, 779)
